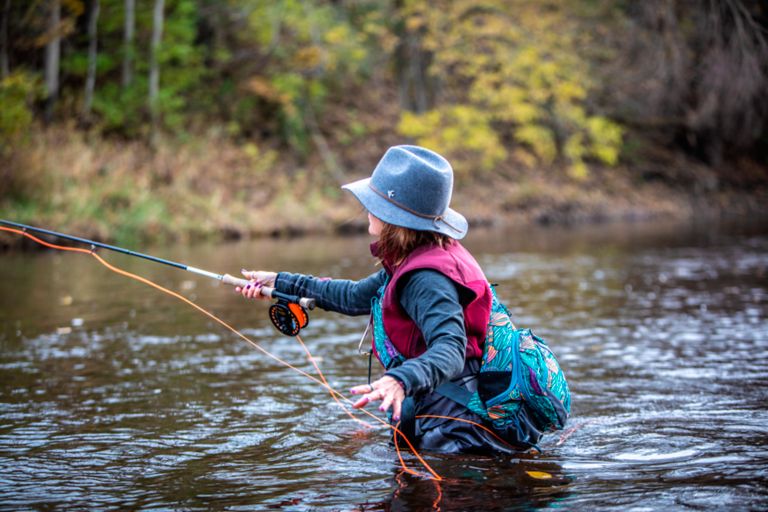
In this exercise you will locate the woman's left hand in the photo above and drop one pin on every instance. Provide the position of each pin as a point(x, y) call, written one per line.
point(387, 389)
point(257, 279)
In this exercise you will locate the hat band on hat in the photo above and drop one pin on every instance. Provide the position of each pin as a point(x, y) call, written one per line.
point(435, 218)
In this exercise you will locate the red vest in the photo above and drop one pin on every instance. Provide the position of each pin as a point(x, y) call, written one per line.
point(455, 262)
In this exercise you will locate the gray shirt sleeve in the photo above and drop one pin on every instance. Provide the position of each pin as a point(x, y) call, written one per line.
point(340, 295)
point(432, 301)
point(428, 297)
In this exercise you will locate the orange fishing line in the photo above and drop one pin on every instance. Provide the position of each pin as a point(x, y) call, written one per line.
point(322, 377)
point(322, 382)
point(399, 454)
point(439, 497)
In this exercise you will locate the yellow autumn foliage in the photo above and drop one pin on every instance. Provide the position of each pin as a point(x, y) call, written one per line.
point(460, 131)
point(514, 65)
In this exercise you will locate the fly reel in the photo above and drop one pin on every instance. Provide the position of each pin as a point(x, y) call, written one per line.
point(288, 317)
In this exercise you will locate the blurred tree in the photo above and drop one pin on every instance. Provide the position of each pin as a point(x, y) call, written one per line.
point(416, 86)
point(513, 68)
point(694, 74)
point(129, 27)
point(154, 64)
point(489, 82)
point(152, 72)
point(18, 92)
point(4, 63)
point(90, 81)
point(52, 56)
point(308, 49)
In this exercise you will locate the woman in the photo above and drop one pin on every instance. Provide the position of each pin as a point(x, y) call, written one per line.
point(430, 301)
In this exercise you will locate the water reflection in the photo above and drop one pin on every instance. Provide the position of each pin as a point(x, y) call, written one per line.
point(115, 396)
point(500, 484)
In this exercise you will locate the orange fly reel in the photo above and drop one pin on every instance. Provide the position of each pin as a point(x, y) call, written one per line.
point(288, 317)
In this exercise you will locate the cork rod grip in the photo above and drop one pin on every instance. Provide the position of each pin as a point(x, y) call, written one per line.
point(270, 292)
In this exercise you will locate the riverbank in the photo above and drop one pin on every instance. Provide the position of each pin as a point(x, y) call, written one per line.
point(210, 187)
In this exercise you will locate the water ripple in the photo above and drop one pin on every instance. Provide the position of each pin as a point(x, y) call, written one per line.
point(142, 405)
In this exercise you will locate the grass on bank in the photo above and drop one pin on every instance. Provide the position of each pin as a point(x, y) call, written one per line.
point(126, 192)
point(210, 187)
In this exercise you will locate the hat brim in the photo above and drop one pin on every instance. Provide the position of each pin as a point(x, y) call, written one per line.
point(452, 223)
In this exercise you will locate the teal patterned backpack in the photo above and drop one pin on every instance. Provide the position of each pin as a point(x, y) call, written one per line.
point(522, 391)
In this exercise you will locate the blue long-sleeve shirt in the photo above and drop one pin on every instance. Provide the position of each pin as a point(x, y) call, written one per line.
point(431, 300)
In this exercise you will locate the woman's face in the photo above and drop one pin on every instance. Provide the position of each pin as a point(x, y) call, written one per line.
point(374, 225)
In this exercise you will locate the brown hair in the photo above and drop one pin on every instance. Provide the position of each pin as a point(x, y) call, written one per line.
point(397, 242)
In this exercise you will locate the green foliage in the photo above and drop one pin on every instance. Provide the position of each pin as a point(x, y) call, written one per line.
point(182, 71)
point(18, 91)
point(312, 48)
point(122, 109)
point(494, 83)
point(17, 94)
point(515, 66)
point(181, 64)
point(507, 73)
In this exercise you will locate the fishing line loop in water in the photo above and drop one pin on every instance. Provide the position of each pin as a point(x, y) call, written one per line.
point(336, 395)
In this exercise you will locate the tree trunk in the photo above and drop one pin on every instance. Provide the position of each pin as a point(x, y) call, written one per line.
point(417, 71)
point(90, 81)
point(129, 28)
point(4, 64)
point(411, 62)
point(52, 58)
point(154, 65)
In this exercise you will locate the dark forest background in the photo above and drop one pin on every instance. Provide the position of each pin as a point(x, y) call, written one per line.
point(180, 118)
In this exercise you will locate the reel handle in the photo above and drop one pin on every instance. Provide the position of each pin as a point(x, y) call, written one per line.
point(267, 291)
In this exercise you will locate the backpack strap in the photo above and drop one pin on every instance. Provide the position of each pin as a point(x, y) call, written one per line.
point(407, 419)
point(453, 391)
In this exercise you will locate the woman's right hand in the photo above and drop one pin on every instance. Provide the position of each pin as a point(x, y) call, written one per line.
point(257, 278)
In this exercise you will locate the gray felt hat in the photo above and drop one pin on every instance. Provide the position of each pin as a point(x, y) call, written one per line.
point(411, 187)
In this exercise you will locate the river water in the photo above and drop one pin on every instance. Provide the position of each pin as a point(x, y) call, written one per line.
point(116, 396)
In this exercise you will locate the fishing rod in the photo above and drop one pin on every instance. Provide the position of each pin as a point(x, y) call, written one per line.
point(22, 229)
point(288, 314)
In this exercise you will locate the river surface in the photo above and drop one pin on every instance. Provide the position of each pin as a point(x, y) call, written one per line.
point(116, 396)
